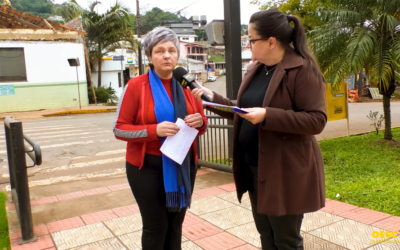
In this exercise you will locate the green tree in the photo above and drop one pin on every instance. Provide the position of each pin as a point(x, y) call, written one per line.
point(360, 34)
point(41, 8)
point(300, 8)
point(105, 32)
point(244, 29)
point(201, 34)
point(155, 17)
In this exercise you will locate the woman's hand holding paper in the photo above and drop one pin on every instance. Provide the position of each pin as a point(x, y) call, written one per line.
point(194, 121)
point(255, 115)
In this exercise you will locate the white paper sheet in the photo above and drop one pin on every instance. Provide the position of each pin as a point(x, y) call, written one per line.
point(176, 147)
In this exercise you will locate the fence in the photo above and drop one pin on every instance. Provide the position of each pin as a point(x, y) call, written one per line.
point(16, 149)
point(215, 146)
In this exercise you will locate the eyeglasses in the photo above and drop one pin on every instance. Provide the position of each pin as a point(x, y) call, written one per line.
point(251, 41)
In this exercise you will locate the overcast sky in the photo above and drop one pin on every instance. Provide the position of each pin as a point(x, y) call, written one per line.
point(213, 9)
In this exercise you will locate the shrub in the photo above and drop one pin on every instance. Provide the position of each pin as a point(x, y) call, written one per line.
point(377, 123)
point(103, 95)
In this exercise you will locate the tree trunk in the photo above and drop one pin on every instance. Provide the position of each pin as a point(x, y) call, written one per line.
point(99, 79)
point(360, 83)
point(89, 73)
point(386, 113)
point(367, 76)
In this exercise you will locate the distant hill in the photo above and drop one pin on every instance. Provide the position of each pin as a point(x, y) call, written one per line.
point(41, 8)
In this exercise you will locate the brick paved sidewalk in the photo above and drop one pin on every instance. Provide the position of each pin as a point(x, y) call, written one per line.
point(216, 221)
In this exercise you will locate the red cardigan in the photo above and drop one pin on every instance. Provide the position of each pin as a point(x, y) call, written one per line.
point(133, 110)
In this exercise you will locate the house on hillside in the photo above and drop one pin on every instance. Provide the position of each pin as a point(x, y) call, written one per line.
point(186, 29)
point(195, 67)
point(245, 42)
point(34, 69)
point(194, 51)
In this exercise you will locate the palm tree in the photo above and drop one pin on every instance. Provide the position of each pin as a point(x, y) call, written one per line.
point(105, 32)
point(360, 34)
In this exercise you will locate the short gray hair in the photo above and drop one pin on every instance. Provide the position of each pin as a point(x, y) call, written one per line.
point(160, 34)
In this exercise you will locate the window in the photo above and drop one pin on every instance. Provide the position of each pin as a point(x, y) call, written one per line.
point(12, 65)
point(188, 49)
point(119, 80)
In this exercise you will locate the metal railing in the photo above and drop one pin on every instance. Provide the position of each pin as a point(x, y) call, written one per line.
point(215, 146)
point(16, 150)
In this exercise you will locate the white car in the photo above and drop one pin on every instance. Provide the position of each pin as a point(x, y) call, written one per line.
point(244, 68)
point(211, 79)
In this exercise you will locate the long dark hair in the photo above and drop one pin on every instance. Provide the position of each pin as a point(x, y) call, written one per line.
point(274, 23)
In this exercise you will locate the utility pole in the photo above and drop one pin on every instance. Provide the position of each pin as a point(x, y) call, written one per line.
point(138, 34)
point(232, 56)
point(232, 47)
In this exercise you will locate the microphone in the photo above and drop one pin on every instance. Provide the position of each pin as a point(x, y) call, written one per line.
point(187, 79)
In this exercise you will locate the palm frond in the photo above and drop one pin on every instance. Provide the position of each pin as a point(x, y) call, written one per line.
point(387, 24)
point(93, 5)
point(383, 66)
point(389, 7)
point(345, 16)
point(360, 46)
point(71, 10)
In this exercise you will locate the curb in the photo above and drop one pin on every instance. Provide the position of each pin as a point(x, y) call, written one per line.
point(81, 112)
point(357, 134)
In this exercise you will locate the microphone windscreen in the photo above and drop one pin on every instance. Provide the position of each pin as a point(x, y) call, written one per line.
point(179, 73)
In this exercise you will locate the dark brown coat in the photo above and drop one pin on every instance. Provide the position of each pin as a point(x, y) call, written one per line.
point(290, 164)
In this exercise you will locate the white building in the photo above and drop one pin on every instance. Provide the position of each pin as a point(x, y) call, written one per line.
point(195, 67)
point(187, 38)
point(111, 70)
point(246, 58)
point(34, 69)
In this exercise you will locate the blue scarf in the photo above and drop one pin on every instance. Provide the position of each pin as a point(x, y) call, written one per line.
point(176, 177)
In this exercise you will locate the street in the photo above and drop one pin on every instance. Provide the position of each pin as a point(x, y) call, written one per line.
point(73, 148)
point(79, 147)
point(358, 121)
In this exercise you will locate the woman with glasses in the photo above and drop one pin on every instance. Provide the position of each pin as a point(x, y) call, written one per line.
point(277, 158)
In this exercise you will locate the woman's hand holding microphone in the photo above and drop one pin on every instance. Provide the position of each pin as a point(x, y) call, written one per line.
point(197, 92)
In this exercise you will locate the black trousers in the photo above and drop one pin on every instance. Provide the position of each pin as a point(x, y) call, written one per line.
point(162, 230)
point(276, 232)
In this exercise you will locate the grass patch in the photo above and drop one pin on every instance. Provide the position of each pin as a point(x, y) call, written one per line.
point(217, 58)
point(364, 170)
point(397, 94)
point(4, 236)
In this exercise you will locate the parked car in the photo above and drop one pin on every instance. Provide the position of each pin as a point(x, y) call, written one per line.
point(244, 68)
point(211, 79)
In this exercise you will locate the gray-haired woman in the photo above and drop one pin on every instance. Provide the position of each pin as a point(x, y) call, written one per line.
point(146, 115)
